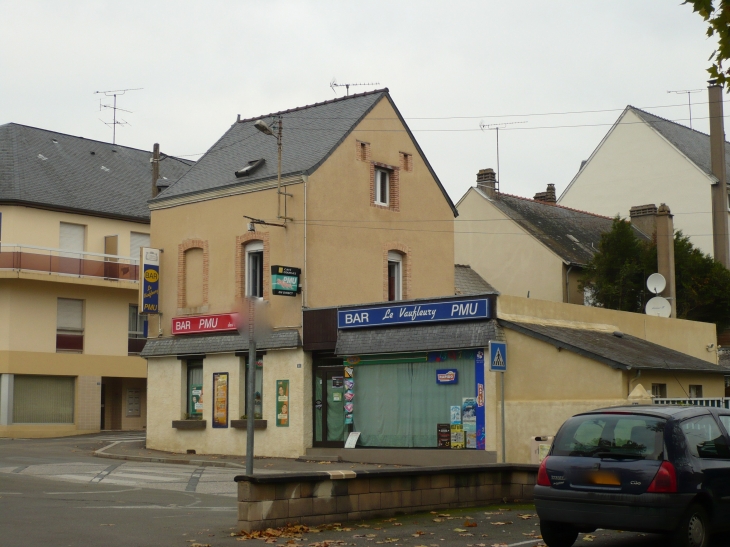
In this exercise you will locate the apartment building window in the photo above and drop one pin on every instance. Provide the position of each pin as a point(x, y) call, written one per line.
point(195, 388)
point(395, 276)
point(382, 187)
point(137, 240)
point(137, 327)
point(70, 326)
point(695, 391)
point(255, 269)
point(659, 391)
point(73, 239)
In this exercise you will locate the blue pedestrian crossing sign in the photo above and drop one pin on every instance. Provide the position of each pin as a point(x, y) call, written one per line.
point(497, 356)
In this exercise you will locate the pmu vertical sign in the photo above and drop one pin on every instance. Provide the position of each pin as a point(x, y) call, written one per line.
point(149, 283)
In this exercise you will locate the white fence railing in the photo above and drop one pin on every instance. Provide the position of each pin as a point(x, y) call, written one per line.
point(716, 402)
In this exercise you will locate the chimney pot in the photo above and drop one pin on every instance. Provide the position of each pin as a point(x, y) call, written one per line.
point(548, 196)
point(644, 218)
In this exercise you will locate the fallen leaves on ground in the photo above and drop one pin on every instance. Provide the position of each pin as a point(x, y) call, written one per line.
point(470, 523)
point(418, 534)
point(466, 535)
point(500, 523)
point(459, 530)
point(437, 519)
point(588, 537)
point(200, 545)
point(397, 524)
point(525, 517)
point(291, 531)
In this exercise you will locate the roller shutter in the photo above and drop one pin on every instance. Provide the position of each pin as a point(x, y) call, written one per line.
point(43, 399)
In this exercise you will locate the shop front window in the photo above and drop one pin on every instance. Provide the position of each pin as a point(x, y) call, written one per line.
point(195, 399)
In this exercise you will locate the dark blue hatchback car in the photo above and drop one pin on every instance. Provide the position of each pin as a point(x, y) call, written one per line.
point(662, 469)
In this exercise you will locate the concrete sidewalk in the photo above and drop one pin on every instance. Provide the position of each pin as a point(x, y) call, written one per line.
point(136, 451)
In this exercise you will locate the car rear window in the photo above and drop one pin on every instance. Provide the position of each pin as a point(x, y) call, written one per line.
point(611, 435)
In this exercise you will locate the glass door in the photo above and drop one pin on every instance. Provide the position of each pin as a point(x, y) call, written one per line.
point(329, 407)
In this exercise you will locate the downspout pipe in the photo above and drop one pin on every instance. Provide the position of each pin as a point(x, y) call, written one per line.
point(567, 284)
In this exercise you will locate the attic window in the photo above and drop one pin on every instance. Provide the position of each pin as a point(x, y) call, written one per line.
point(42, 157)
point(54, 141)
point(105, 169)
point(252, 166)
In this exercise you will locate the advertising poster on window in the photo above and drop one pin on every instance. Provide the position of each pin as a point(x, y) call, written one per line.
point(196, 400)
point(220, 399)
point(469, 421)
point(282, 403)
point(149, 280)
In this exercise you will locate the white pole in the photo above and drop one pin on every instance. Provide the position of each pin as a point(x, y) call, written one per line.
point(504, 448)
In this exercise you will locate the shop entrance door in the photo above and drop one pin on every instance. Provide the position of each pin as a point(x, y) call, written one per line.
point(329, 407)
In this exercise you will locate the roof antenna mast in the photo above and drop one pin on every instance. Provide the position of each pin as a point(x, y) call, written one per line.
point(114, 123)
point(496, 127)
point(334, 84)
point(689, 100)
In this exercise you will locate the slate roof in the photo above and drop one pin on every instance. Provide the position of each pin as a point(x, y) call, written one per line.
point(309, 135)
point(625, 352)
point(216, 343)
point(62, 172)
point(468, 282)
point(571, 234)
point(444, 336)
point(693, 144)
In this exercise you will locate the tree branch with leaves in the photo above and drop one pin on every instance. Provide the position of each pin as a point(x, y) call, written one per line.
point(717, 15)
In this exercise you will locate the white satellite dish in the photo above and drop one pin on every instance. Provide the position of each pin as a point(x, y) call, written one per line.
point(656, 283)
point(659, 306)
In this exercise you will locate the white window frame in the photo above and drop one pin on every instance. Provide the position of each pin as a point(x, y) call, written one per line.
point(396, 260)
point(252, 248)
point(379, 198)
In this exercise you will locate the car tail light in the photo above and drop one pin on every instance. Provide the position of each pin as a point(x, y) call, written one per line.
point(665, 480)
point(542, 475)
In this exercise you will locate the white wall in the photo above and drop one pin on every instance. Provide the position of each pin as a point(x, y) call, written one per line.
point(637, 166)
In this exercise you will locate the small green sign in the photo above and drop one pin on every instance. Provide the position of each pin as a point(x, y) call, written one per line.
point(196, 400)
point(285, 280)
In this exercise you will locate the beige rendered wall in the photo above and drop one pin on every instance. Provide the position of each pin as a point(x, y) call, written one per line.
point(344, 258)
point(504, 254)
point(24, 225)
point(636, 166)
point(30, 308)
point(690, 337)
point(167, 404)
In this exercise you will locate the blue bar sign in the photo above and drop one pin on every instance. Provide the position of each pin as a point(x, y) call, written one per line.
point(149, 283)
point(377, 316)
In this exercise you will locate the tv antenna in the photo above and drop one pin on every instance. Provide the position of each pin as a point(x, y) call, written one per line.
point(334, 84)
point(689, 100)
point(114, 107)
point(496, 127)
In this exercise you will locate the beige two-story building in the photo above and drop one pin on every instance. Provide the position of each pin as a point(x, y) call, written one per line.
point(73, 217)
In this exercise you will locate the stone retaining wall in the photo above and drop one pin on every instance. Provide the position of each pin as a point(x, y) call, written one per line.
point(271, 501)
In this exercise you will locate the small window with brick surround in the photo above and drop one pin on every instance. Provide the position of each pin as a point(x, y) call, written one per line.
point(382, 187)
point(255, 269)
point(363, 150)
point(395, 276)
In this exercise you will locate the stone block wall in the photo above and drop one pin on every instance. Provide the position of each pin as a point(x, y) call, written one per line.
point(336, 496)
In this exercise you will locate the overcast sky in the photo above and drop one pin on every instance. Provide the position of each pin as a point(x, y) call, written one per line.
point(202, 63)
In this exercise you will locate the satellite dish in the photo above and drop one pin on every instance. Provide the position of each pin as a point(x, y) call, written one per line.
point(656, 283)
point(659, 306)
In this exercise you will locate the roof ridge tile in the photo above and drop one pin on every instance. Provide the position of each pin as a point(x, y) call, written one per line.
point(555, 205)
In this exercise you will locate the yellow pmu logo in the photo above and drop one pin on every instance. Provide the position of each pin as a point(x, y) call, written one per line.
point(151, 276)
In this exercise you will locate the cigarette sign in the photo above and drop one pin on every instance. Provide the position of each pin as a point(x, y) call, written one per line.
point(149, 268)
point(204, 323)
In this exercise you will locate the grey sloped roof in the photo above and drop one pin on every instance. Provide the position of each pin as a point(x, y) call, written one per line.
point(216, 343)
point(58, 171)
point(624, 352)
point(571, 234)
point(309, 135)
point(468, 282)
point(443, 336)
point(693, 144)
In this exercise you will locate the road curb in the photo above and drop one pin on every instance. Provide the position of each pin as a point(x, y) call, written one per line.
point(101, 453)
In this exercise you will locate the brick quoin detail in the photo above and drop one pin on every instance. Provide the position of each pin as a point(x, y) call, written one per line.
point(405, 251)
point(240, 270)
point(394, 189)
point(406, 161)
point(185, 246)
point(362, 151)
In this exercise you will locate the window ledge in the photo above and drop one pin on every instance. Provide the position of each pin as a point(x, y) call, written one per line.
point(189, 424)
point(241, 424)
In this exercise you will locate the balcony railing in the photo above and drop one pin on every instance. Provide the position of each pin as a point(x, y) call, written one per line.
point(716, 402)
point(30, 258)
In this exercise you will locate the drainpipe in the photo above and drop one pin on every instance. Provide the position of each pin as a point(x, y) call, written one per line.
point(567, 284)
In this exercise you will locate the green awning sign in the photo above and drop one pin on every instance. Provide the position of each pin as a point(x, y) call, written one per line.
point(285, 280)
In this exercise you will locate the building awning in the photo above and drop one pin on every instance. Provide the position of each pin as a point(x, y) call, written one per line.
point(217, 343)
point(615, 349)
point(435, 337)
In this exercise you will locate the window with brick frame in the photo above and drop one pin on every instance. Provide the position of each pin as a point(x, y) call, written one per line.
point(406, 161)
point(382, 187)
point(395, 276)
point(255, 269)
point(362, 150)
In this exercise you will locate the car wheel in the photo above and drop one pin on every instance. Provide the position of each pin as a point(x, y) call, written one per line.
point(694, 528)
point(558, 534)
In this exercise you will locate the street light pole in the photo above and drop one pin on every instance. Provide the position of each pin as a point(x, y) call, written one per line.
point(250, 389)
